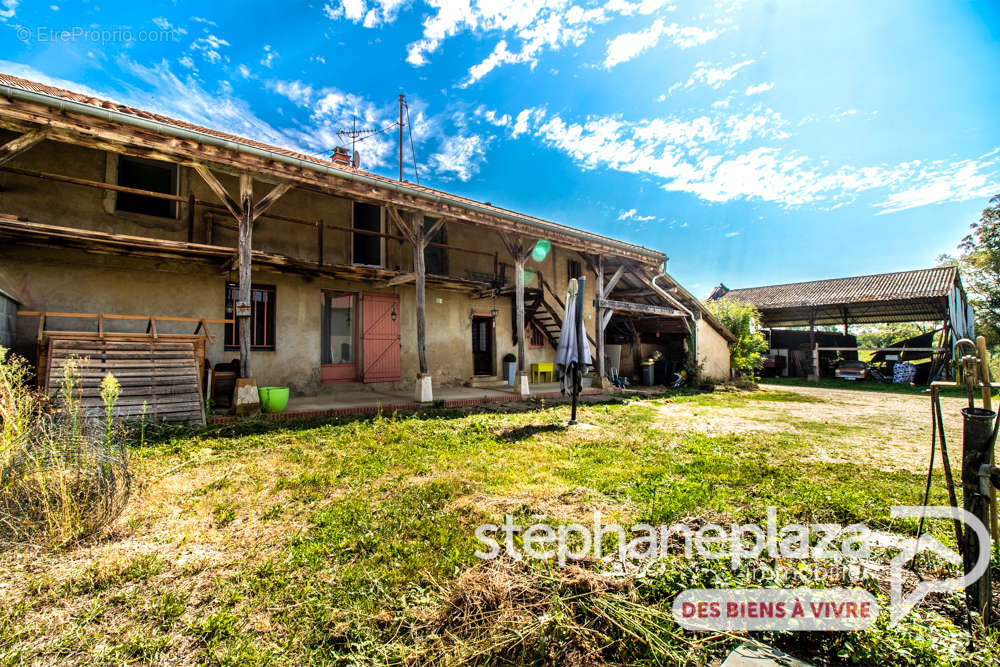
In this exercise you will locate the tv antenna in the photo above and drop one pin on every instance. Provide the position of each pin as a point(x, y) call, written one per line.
point(355, 135)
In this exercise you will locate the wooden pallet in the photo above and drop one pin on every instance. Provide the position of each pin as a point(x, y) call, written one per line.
point(160, 377)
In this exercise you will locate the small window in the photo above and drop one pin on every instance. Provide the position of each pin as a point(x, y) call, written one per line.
point(573, 269)
point(435, 258)
point(535, 336)
point(149, 175)
point(262, 317)
point(367, 247)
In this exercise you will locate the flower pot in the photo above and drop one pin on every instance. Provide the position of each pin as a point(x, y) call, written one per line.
point(273, 399)
point(509, 371)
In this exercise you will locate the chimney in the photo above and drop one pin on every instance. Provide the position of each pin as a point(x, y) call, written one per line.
point(341, 156)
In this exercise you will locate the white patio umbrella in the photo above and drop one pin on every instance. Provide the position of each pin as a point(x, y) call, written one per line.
point(573, 354)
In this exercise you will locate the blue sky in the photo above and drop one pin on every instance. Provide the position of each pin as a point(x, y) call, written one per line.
point(753, 142)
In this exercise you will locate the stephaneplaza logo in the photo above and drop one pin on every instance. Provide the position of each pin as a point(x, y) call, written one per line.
point(821, 609)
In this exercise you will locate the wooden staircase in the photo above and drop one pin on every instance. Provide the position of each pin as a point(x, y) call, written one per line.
point(542, 308)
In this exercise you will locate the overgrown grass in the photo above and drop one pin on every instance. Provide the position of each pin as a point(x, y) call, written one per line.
point(63, 472)
point(351, 542)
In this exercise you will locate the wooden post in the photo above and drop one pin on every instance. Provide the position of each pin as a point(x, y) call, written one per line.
point(190, 218)
point(319, 242)
point(413, 230)
point(519, 261)
point(243, 306)
point(419, 270)
point(599, 323)
point(813, 346)
point(845, 321)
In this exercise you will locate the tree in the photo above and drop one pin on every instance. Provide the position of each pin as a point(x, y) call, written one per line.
point(980, 264)
point(741, 319)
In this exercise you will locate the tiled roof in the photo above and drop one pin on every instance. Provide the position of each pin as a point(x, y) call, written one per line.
point(905, 296)
point(903, 285)
point(41, 88)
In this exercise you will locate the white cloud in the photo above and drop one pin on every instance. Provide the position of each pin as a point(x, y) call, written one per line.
point(759, 88)
point(209, 46)
point(633, 214)
point(713, 75)
point(725, 157)
point(296, 91)
point(369, 14)
point(9, 8)
point(527, 28)
point(531, 115)
point(460, 157)
point(630, 44)
point(730, 235)
point(164, 24)
point(941, 181)
point(269, 55)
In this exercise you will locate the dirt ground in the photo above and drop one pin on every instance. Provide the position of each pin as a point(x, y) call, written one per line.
point(884, 430)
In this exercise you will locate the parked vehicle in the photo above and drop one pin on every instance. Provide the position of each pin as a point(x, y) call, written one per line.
point(851, 370)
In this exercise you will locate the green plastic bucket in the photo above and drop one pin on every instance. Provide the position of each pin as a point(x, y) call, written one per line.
point(273, 399)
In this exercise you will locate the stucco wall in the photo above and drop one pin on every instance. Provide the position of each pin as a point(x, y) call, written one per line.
point(64, 280)
point(713, 352)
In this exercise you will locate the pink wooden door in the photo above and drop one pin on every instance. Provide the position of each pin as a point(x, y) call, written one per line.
point(339, 336)
point(380, 341)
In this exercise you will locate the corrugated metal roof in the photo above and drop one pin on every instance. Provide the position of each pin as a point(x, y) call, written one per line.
point(36, 87)
point(903, 285)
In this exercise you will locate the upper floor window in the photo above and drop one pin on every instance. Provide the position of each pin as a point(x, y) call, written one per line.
point(262, 317)
point(152, 175)
point(435, 257)
point(368, 249)
point(573, 269)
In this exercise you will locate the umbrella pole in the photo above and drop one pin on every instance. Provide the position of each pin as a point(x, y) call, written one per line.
point(574, 392)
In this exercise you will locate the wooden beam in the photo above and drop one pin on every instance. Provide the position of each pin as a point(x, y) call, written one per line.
point(614, 281)
point(18, 145)
point(243, 303)
point(401, 279)
point(401, 224)
point(268, 200)
point(629, 307)
point(215, 186)
point(434, 228)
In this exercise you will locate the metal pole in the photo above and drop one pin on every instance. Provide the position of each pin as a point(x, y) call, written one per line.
point(401, 136)
point(581, 341)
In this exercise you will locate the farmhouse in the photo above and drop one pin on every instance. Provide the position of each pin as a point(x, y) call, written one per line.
point(122, 225)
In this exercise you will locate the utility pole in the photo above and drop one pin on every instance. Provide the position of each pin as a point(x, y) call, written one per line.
point(401, 103)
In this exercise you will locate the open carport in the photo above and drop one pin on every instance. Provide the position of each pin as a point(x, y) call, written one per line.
point(924, 295)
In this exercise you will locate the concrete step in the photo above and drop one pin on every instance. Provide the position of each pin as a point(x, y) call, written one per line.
point(486, 382)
